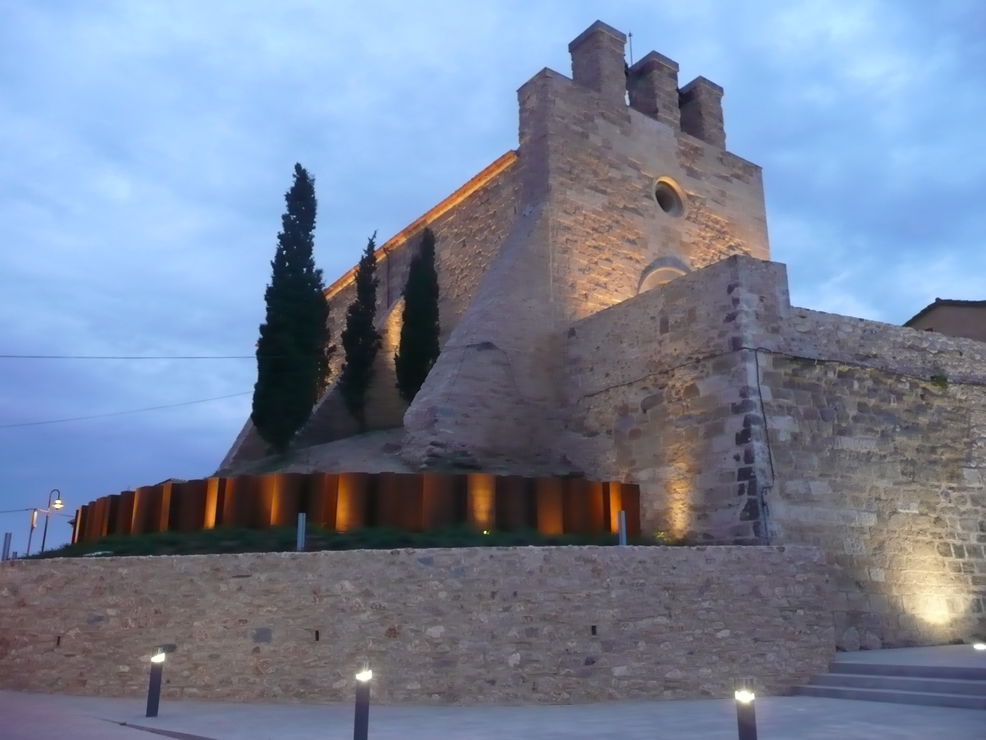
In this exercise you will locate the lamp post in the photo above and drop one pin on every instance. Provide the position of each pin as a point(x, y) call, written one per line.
point(56, 505)
point(30, 533)
point(746, 715)
point(361, 722)
point(157, 670)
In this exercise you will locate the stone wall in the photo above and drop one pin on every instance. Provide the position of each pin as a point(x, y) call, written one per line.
point(743, 418)
point(470, 625)
point(662, 392)
point(886, 471)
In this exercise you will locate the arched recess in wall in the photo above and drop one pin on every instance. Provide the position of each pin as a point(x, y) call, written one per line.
point(660, 271)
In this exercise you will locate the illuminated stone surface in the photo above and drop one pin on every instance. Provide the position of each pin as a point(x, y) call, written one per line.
point(472, 625)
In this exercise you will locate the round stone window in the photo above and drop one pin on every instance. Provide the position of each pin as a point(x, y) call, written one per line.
point(668, 197)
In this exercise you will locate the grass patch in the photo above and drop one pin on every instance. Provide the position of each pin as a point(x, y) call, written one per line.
point(214, 541)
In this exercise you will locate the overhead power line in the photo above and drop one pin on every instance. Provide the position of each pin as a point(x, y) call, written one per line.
point(128, 357)
point(122, 413)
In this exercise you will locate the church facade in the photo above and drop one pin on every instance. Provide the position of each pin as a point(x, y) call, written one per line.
point(609, 310)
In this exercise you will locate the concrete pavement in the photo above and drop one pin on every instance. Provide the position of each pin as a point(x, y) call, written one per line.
point(49, 717)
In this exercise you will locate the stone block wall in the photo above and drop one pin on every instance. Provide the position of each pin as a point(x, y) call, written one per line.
point(603, 162)
point(743, 418)
point(479, 625)
point(886, 472)
point(662, 393)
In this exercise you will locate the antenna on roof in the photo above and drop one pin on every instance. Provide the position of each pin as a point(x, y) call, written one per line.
point(630, 39)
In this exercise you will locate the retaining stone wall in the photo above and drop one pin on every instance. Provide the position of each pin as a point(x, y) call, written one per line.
point(469, 625)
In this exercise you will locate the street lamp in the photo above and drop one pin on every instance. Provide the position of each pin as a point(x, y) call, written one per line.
point(746, 717)
point(56, 505)
point(157, 669)
point(361, 722)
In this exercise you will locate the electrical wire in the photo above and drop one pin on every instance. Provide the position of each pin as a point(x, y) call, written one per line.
point(122, 413)
point(128, 357)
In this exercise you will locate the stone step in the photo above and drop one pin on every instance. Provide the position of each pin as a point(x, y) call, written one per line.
point(917, 671)
point(962, 701)
point(902, 683)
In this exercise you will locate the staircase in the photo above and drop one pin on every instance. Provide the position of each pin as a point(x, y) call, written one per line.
point(948, 678)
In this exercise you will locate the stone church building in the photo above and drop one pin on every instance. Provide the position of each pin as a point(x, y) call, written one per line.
point(609, 309)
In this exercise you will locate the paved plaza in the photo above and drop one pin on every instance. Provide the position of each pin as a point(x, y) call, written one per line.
point(44, 717)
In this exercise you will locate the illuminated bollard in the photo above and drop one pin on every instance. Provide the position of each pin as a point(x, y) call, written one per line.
point(157, 670)
point(746, 715)
point(361, 723)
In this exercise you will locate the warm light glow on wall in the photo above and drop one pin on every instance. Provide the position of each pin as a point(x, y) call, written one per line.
point(346, 514)
point(935, 596)
point(476, 183)
point(680, 494)
point(211, 503)
point(270, 489)
point(482, 487)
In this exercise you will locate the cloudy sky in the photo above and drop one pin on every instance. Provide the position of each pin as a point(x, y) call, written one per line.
point(147, 145)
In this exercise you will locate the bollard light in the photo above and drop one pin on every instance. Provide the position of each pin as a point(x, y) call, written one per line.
point(979, 646)
point(361, 721)
point(746, 715)
point(157, 670)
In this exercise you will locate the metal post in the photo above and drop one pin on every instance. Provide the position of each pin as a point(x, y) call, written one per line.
point(361, 723)
point(58, 505)
point(154, 689)
point(6, 545)
point(622, 519)
point(44, 531)
point(746, 720)
point(300, 545)
point(30, 534)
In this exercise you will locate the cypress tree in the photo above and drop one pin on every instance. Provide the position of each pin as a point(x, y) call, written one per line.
point(418, 348)
point(293, 349)
point(360, 339)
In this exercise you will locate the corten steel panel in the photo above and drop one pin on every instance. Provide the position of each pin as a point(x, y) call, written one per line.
point(188, 505)
point(549, 505)
point(125, 514)
point(256, 503)
point(613, 503)
point(411, 502)
point(630, 494)
point(146, 501)
point(514, 503)
point(481, 501)
point(224, 498)
point(164, 512)
point(99, 518)
point(75, 525)
point(323, 490)
point(268, 488)
point(113, 510)
point(351, 501)
point(389, 508)
point(210, 506)
point(240, 501)
point(438, 509)
point(82, 517)
point(583, 506)
point(288, 499)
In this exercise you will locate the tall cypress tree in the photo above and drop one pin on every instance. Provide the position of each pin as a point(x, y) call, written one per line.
point(419, 348)
point(293, 350)
point(360, 339)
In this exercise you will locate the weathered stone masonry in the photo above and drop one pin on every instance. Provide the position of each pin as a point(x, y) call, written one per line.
point(470, 625)
point(744, 418)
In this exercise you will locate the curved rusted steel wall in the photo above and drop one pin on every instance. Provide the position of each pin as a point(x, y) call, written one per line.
point(346, 501)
